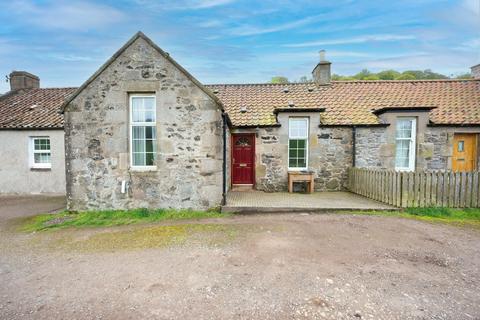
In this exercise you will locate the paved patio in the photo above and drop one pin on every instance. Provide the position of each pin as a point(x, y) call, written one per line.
point(259, 201)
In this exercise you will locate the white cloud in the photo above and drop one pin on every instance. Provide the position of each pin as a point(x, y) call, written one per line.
point(247, 30)
point(72, 15)
point(361, 39)
point(182, 4)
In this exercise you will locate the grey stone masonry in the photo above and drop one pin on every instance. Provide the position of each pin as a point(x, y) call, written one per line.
point(188, 162)
point(330, 155)
point(370, 145)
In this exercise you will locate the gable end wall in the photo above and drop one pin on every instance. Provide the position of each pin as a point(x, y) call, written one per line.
point(189, 138)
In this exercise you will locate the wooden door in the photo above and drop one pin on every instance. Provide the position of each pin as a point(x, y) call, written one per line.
point(464, 152)
point(243, 158)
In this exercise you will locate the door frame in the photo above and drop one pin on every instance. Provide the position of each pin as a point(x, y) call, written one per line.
point(253, 135)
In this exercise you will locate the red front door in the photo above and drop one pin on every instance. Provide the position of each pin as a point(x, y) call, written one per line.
point(243, 158)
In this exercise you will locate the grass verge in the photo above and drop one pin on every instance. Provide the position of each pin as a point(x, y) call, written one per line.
point(461, 217)
point(108, 218)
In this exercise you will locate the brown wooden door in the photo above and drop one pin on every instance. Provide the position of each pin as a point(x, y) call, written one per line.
point(464, 152)
point(243, 158)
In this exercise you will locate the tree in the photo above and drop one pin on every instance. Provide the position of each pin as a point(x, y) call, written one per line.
point(279, 79)
point(304, 79)
point(362, 74)
point(406, 76)
point(388, 75)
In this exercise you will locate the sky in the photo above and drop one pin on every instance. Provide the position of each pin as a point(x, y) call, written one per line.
point(234, 41)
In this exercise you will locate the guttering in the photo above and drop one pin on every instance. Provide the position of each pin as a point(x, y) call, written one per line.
point(224, 164)
point(373, 125)
point(296, 109)
point(403, 109)
point(461, 125)
point(354, 142)
point(250, 126)
point(30, 129)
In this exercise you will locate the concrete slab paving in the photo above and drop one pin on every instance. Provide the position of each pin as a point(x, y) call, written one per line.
point(259, 201)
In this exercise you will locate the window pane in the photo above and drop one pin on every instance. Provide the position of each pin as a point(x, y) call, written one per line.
point(138, 159)
point(301, 143)
point(150, 157)
point(143, 109)
point(42, 157)
point(298, 128)
point(301, 153)
point(41, 144)
point(404, 129)
point(143, 145)
point(402, 154)
point(293, 143)
point(302, 163)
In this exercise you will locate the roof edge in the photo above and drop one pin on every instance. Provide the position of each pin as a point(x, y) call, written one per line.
point(298, 109)
point(402, 109)
point(114, 57)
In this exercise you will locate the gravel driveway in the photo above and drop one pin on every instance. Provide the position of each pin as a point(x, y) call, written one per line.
point(285, 266)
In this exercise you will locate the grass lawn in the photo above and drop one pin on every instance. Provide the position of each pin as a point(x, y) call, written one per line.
point(461, 217)
point(107, 218)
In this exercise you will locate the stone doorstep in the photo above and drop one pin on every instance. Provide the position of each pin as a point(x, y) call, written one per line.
point(253, 210)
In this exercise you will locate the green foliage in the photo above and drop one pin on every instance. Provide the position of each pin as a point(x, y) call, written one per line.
point(406, 76)
point(113, 217)
point(464, 76)
point(279, 79)
point(388, 75)
point(427, 74)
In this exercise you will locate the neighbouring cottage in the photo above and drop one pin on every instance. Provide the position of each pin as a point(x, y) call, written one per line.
point(32, 156)
point(143, 132)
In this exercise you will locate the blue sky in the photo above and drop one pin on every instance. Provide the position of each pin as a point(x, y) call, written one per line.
point(233, 41)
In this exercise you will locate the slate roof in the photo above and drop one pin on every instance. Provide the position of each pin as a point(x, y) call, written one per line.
point(33, 108)
point(453, 102)
point(353, 102)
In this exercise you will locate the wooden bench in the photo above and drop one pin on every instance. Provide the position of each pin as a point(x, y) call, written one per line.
point(301, 176)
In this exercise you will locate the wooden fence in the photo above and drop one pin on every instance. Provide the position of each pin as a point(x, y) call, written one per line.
point(417, 189)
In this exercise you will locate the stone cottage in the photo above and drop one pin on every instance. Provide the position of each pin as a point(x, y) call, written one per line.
point(143, 132)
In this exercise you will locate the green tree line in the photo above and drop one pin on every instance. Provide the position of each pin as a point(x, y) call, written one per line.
point(365, 74)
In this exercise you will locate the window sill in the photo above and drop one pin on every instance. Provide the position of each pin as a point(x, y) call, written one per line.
point(40, 168)
point(143, 169)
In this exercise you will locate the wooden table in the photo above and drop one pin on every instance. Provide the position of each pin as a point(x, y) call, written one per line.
point(300, 176)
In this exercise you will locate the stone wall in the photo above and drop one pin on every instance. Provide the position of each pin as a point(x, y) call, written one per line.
point(330, 156)
point(370, 147)
point(188, 163)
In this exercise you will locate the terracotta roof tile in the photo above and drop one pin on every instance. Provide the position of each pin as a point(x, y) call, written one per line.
point(33, 108)
point(346, 102)
point(352, 102)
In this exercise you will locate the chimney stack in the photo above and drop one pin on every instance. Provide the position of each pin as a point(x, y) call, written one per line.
point(22, 80)
point(476, 71)
point(321, 73)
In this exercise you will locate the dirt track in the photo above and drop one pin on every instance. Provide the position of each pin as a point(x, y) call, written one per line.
point(288, 266)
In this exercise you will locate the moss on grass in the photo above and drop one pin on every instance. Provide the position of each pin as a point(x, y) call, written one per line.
point(155, 237)
point(108, 218)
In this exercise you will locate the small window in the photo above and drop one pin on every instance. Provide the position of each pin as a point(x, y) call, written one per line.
point(461, 146)
point(405, 144)
point(298, 143)
point(40, 152)
point(143, 131)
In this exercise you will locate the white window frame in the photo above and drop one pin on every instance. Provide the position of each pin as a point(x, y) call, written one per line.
point(413, 146)
point(290, 137)
point(140, 124)
point(32, 153)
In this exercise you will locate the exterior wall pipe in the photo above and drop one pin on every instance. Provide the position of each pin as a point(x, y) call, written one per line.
point(354, 140)
point(224, 173)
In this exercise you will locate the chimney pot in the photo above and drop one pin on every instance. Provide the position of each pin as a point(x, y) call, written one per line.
point(22, 80)
point(322, 55)
point(321, 73)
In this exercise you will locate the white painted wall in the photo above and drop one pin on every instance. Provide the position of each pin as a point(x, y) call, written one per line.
point(17, 177)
